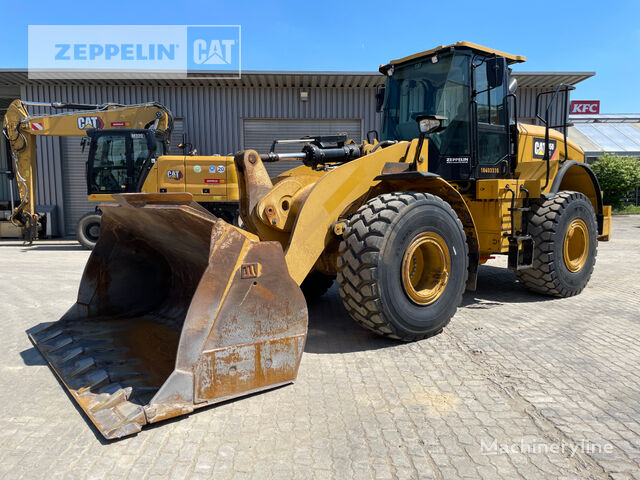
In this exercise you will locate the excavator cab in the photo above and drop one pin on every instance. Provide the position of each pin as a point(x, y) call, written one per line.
point(120, 160)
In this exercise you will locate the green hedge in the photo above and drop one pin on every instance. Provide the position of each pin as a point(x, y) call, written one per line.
point(617, 176)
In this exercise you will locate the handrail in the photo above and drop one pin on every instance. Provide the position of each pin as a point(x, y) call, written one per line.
point(563, 87)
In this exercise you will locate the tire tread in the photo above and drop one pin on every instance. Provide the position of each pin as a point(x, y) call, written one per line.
point(357, 261)
point(543, 223)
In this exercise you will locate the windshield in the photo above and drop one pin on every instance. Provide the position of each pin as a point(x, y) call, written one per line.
point(428, 88)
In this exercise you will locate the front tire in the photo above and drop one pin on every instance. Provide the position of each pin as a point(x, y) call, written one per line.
point(88, 230)
point(403, 265)
point(565, 234)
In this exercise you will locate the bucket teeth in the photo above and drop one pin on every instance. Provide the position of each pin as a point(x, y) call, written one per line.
point(110, 400)
point(129, 425)
point(69, 355)
point(120, 419)
point(47, 334)
point(176, 310)
point(93, 380)
point(80, 367)
point(57, 342)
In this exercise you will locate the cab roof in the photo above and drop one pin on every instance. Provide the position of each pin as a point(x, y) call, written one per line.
point(461, 45)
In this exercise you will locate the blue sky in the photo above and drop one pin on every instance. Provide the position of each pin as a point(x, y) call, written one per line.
point(585, 35)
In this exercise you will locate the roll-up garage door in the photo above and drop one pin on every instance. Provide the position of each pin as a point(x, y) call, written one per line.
point(260, 134)
point(75, 184)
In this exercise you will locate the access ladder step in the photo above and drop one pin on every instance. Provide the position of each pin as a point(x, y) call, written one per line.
point(520, 252)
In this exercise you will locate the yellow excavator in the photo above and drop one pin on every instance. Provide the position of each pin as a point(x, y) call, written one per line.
point(127, 153)
point(178, 309)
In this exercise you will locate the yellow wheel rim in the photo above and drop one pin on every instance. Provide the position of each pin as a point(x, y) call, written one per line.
point(426, 266)
point(576, 245)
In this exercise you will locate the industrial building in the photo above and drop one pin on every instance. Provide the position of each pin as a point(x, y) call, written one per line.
point(221, 116)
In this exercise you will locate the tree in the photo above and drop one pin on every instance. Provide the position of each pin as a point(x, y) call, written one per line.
point(617, 176)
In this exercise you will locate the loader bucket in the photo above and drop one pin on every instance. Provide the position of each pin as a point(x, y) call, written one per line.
point(176, 310)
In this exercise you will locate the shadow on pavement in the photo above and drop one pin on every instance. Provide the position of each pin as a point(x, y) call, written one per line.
point(497, 286)
point(331, 329)
point(31, 357)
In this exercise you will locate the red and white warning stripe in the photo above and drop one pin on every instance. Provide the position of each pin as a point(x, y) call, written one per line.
point(36, 126)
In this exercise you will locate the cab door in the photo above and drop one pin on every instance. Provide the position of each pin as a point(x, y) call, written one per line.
point(109, 166)
point(492, 124)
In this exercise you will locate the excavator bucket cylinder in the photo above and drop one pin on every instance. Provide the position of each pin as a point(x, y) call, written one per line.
point(176, 310)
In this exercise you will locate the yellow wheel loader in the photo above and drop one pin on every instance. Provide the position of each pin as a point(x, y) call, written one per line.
point(127, 153)
point(178, 309)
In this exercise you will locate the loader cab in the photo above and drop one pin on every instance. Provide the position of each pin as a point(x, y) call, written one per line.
point(120, 160)
point(465, 86)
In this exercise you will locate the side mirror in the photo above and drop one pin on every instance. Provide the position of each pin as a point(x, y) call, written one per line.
point(513, 85)
point(380, 98)
point(495, 71)
point(430, 123)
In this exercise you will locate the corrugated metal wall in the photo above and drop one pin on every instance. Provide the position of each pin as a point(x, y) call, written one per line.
point(527, 105)
point(76, 204)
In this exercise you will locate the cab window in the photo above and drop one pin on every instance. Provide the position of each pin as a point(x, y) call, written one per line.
point(493, 135)
point(490, 102)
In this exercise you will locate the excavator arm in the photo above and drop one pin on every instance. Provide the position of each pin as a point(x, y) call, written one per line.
point(21, 128)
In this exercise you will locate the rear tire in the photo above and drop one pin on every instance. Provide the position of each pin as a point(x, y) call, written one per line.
point(88, 230)
point(376, 288)
point(561, 267)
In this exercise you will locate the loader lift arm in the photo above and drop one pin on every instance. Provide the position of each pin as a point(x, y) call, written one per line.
point(21, 128)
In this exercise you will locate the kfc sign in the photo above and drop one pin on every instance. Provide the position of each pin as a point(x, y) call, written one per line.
point(585, 107)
